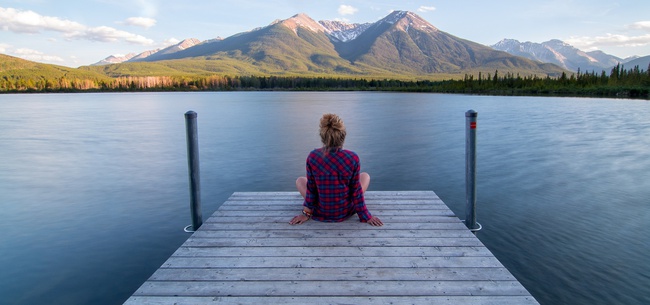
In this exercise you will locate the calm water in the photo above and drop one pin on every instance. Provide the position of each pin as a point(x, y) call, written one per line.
point(94, 189)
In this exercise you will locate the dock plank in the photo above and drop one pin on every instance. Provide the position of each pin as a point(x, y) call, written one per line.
point(294, 300)
point(247, 253)
point(333, 288)
point(304, 251)
point(334, 274)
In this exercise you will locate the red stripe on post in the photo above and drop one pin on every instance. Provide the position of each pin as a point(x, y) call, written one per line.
point(472, 125)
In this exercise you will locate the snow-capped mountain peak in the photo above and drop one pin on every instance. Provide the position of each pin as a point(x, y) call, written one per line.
point(303, 21)
point(394, 17)
point(405, 20)
point(343, 31)
point(187, 43)
point(560, 53)
point(411, 20)
point(114, 59)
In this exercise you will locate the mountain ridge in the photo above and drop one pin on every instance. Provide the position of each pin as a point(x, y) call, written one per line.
point(401, 43)
point(641, 62)
point(558, 52)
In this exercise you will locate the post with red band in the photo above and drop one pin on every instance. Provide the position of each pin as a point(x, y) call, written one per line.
point(470, 171)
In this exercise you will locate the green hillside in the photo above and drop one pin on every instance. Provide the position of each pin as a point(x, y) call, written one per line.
point(20, 74)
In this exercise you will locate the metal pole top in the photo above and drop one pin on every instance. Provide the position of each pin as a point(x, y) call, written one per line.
point(471, 113)
point(190, 115)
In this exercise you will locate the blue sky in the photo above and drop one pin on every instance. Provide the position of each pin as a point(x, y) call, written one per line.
point(77, 33)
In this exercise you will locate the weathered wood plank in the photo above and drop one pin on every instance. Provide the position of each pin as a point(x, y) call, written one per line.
point(295, 196)
point(402, 194)
point(299, 201)
point(296, 207)
point(330, 251)
point(302, 300)
point(352, 224)
point(294, 212)
point(331, 233)
point(333, 242)
point(333, 274)
point(333, 288)
point(332, 262)
point(284, 219)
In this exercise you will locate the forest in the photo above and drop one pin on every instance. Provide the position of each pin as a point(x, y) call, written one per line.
point(619, 82)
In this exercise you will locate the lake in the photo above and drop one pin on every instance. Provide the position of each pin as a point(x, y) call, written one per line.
point(94, 187)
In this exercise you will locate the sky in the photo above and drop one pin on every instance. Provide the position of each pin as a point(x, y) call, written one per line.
point(78, 33)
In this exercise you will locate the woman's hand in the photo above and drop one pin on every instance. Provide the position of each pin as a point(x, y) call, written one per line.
point(375, 221)
point(300, 219)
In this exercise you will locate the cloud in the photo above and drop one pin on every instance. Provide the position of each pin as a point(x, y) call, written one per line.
point(425, 9)
point(347, 10)
point(170, 42)
point(108, 34)
point(140, 21)
point(34, 55)
point(623, 40)
point(641, 25)
point(4, 47)
point(30, 22)
point(609, 40)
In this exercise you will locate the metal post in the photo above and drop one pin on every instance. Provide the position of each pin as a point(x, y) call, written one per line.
point(193, 167)
point(470, 171)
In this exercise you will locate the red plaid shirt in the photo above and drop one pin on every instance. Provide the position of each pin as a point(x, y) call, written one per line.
point(333, 189)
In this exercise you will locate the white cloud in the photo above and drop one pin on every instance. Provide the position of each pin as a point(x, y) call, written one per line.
point(170, 42)
point(140, 21)
point(347, 10)
point(4, 47)
point(34, 55)
point(609, 40)
point(641, 25)
point(108, 34)
point(425, 9)
point(30, 22)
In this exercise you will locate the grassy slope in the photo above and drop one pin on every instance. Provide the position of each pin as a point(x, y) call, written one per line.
point(15, 68)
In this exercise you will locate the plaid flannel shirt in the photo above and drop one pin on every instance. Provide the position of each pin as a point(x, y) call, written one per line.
point(333, 189)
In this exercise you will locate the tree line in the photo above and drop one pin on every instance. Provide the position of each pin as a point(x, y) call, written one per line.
point(634, 82)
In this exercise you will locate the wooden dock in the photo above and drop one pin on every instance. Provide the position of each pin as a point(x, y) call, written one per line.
point(247, 253)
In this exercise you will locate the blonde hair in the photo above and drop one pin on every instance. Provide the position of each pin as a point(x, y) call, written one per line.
point(332, 131)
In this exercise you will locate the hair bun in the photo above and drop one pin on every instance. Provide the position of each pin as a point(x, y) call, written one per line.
point(330, 120)
point(332, 131)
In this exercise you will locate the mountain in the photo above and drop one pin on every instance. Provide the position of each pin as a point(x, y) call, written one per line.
point(143, 55)
point(559, 53)
point(295, 45)
point(159, 53)
point(114, 59)
point(131, 57)
point(401, 44)
point(642, 62)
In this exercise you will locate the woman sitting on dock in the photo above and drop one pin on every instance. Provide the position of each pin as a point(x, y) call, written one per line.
point(334, 187)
